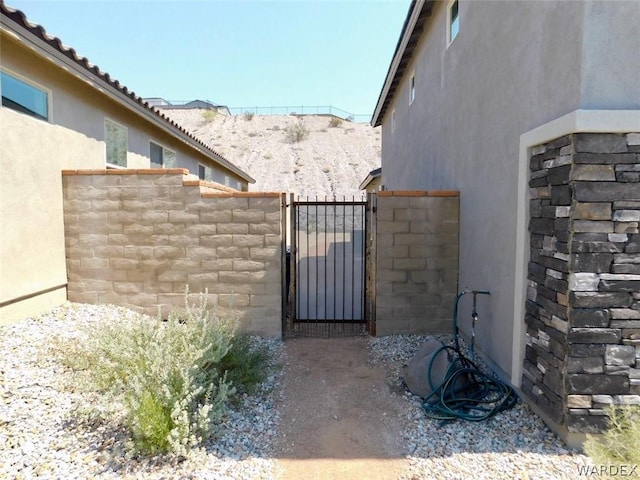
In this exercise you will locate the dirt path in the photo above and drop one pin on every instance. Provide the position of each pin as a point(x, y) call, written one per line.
point(339, 418)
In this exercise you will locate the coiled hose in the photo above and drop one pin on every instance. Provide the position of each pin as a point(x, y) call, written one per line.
point(465, 393)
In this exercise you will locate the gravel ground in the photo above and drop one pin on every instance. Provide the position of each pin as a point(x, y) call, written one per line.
point(515, 444)
point(46, 433)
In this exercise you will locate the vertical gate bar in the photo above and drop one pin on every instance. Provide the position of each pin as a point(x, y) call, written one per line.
point(308, 266)
point(335, 264)
point(317, 278)
point(325, 260)
point(293, 272)
point(363, 211)
point(284, 266)
point(296, 213)
point(365, 263)
point(307, 254)
point(344, 253)
point(353, 256)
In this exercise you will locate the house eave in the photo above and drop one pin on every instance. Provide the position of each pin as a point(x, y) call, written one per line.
point(373, 174)
point(67, 59)
point(419, 11)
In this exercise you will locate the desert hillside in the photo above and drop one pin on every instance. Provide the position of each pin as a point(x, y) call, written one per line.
point(332, 160)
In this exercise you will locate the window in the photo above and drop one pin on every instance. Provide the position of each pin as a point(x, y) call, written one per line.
point(453, 22)
point(161, 157)
point(393, 120)
point(201, 172)
point(115, 139)
point(24, 97)
point(412, 89)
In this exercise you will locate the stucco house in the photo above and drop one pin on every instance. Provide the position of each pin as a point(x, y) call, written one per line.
point(372, 183)
point(532, 111)
point(59, 112)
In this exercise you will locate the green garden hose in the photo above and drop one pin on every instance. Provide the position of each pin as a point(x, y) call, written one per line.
point(465, 393)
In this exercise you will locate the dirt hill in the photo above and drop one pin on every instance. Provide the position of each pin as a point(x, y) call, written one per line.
point(331, 160)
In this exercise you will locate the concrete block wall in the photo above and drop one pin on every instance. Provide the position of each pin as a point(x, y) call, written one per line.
point(583, 302)
point(137, 237)
point(416, 238)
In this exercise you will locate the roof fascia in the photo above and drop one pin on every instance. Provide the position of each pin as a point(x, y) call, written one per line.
point(413, 16)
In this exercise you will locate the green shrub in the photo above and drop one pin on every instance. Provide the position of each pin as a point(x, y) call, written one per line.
point(335, 122)
point(245, 364)
point(248, 116)
point(296, 132)
point(620, 443)
point(209, 115)
point(166, 374)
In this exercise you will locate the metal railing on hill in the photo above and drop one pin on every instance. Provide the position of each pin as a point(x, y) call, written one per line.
point(302, 110)
point(283, 110)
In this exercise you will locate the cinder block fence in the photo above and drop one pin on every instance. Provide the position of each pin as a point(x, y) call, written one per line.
point(137, 237)
point(417, 260)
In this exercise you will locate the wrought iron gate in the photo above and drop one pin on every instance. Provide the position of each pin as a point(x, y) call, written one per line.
point(327, 294)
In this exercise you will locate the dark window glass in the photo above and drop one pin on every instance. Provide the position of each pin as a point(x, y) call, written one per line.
point(23, 97)
point(155, 153)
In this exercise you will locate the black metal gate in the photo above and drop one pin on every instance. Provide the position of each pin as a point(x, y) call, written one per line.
point(327, 293)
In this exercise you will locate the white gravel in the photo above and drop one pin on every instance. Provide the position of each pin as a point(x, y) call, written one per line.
point(514, 444)
point(45, 434)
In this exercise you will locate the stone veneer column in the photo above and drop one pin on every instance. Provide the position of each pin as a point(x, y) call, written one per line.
point(583, 302)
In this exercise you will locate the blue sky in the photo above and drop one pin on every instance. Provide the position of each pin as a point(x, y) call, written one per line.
point(238, 53)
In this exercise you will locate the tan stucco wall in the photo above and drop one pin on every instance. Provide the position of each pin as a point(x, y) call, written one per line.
point(513, 67)
point(79, 106)
point(374, 185)
point(32, 155)
point(32, 232)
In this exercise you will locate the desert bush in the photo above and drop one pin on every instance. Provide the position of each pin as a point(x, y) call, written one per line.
point(248, 116)
point(245, 364)
point(167, 375)
point(209, 115)
point(335, 122)
point(296, 132)
point(620, 443)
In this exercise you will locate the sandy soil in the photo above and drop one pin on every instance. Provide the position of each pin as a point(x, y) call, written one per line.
point(330, 161)
point(339, 418)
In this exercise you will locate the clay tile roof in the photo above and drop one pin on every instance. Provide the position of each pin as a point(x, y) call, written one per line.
point(20, 19)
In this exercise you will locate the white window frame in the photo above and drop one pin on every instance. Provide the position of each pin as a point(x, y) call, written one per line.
point(115, 165)
point(450, 22)
point(164, 153)
point(412, 87)
point(35, 85)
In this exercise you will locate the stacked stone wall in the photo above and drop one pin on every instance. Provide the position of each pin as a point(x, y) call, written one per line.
point(583, 302)
point(137, 238)
point(416, 260)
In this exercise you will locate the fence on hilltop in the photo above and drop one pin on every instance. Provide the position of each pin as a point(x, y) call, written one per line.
point(274, 110)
